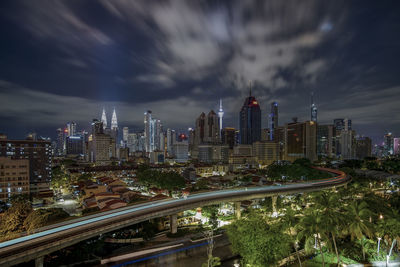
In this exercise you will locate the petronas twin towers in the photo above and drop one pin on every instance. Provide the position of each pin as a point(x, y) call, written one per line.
point(114, 122)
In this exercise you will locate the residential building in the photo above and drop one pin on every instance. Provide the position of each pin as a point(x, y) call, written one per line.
point(14, 177)
point(38, 153)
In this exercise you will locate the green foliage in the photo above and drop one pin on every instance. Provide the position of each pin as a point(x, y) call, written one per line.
point(212, 262)
point(295, 171)
point(68, 162)
point(352, 163)
point(149, 230)
point(246, 179)
point(41, 217)
point(60, 179)
point(358, 215)
point(212, 213)
point(12, 221)
point(303, 162)
point(164, 180)
point(259, 243)
point(201, 184)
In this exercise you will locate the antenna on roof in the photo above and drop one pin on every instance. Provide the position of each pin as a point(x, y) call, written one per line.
point(250, 84)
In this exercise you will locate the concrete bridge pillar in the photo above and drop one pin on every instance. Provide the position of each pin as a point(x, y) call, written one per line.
point(274, 199)
point(39, 262)
point(173, 223)
point(237, 209)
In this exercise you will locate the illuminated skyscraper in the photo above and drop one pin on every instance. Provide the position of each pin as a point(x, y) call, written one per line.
point(396, 146)
point(250, 121)
point(71, 127)
point(212, 130)
point(388, 144)
point(273, 119)
point(220, 115)
point(60, 142)
point(313, 109)
point(125, 133)
point(104, 119)
point(300, 140)
point(114, 122)
point(158, 135)
point(149, 131)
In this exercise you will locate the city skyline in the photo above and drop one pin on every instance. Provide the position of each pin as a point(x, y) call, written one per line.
point(178, 66)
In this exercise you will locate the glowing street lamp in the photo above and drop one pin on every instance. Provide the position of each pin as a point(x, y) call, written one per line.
point(379, 244)
point(315, 241)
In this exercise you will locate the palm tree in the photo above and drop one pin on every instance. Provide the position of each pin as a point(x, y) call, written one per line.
point(331, 218)
point(358, 221)
point(309, 226)
point(289, 220)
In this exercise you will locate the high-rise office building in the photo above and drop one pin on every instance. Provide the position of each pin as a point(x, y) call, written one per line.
point(206, 132)
point(396, 146)
point(170, 141)
point(71, 127)
point(339, 126)
point(300, 141)
point(125, 133)
point(388, 144)
point(220, 114)
point(325, 140)
point(38, 153)
point(212, 153)
point(101, 146)
point(158, 136)
point(313, 108)
point(363, 147)
point(75, 145)
point(228, 137)
point(60, 142)
point(347, 143)
point(104, 119)
point(181, 151)
point(273, 120)
point(265, 152)
point(200, 129)
point(212, 132)
point(149, 131)
point(342, 124)
point(132, 142)
point(114, 122)
point(250, 121)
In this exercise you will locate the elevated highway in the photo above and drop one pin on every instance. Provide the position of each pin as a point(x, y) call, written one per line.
point(55, 237)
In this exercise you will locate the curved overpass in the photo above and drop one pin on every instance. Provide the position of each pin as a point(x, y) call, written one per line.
point(61, 235)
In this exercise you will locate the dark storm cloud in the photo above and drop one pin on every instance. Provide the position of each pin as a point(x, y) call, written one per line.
point(65, 60)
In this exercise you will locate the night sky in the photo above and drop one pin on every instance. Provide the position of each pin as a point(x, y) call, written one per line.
point(64, 61)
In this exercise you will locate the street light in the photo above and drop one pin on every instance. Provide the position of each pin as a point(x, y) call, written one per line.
point(379, 244)
point(315, 241)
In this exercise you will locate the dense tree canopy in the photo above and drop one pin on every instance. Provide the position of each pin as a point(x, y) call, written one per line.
point(164, 180)
point(259, 243)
